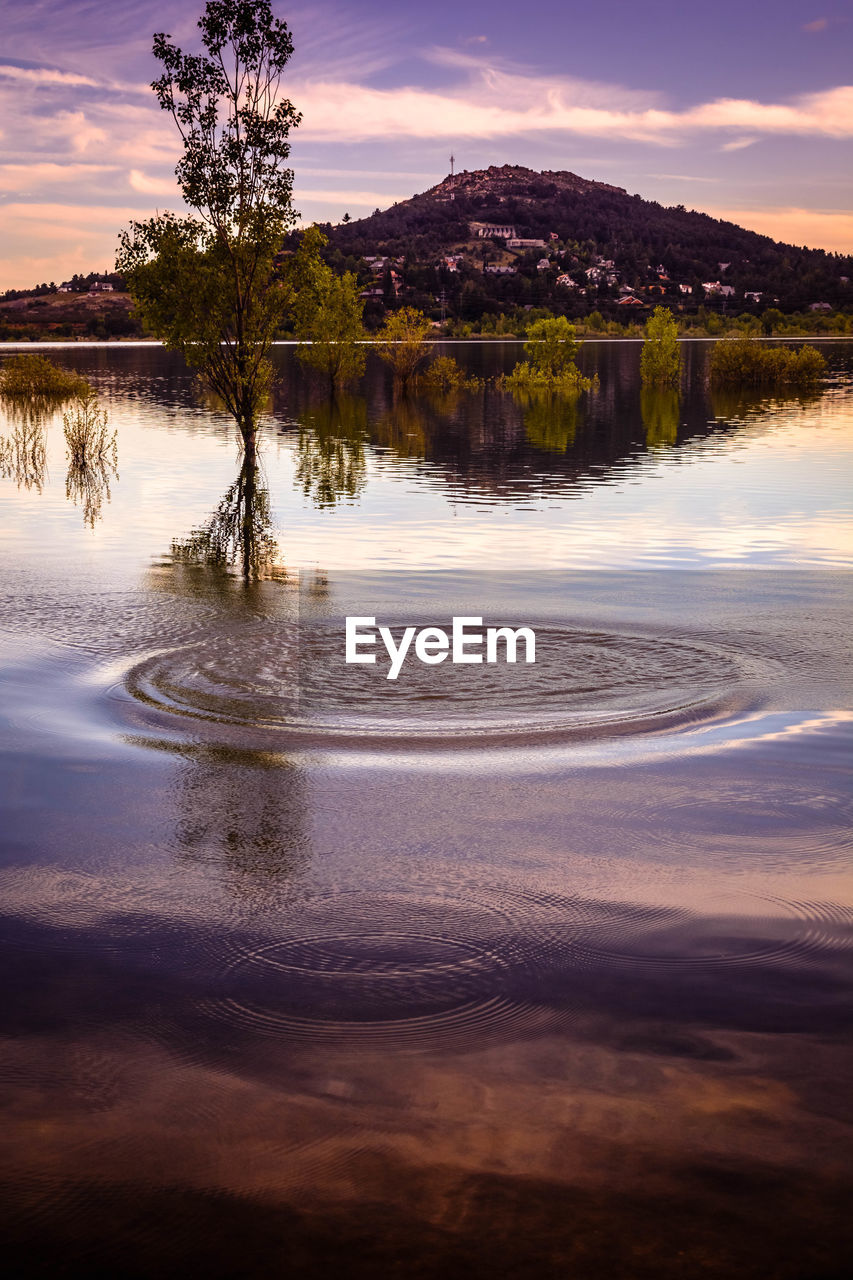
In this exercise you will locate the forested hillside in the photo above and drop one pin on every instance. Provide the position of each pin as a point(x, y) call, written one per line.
point(600, 248)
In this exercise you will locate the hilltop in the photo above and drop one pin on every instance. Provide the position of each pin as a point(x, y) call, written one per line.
point(483, 248)
point(507, 236)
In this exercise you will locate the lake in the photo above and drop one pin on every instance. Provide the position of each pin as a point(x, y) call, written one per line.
point(492, 969)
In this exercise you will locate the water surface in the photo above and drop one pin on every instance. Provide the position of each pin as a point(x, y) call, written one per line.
point(542, 970)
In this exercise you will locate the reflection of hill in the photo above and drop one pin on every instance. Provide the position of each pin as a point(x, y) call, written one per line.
point(475, 442)
point(490, 442)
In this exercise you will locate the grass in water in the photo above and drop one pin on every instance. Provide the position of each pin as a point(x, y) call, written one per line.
point(92, 455)
point(87, 436)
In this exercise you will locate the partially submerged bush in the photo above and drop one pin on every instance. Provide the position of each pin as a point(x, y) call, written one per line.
point(88, 441)
point(444, 374)
point(746, 362)
point(660, 360)
point(550, 365)
point(403, 343)
point(36, 377)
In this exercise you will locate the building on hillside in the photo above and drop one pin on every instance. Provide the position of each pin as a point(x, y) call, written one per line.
point(753, 296)
point(685, 288)
point(491, 230)
point(820, 306)
point(496, 269)
point(516, 242)
point(100, 286)
point(566, 282)
point(543, 264)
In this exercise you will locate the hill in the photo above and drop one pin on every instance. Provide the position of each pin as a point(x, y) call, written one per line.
point(591, 246)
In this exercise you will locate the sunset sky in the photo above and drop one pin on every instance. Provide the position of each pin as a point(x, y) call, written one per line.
point(745, 111)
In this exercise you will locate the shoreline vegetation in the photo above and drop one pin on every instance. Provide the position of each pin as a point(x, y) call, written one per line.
point(111, 319)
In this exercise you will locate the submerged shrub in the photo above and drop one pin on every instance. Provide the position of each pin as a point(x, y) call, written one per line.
point(746, 362)
point(403, 343)
point(36, 377)
point(86, 435)
point(444, 374)
point(660, 361)
point(550, 365)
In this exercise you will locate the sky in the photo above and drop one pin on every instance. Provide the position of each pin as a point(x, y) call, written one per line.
point(743, 110)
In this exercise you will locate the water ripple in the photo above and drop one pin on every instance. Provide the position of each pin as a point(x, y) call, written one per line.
point(264, 687)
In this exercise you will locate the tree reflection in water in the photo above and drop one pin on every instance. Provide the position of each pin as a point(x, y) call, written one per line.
point(87, 484)
point(246, 813)
point(659, 407)
point(330, 463)
point(406, 427)
point(239, 532)
point(550, 419)
point(23, 454)
point(733, 404)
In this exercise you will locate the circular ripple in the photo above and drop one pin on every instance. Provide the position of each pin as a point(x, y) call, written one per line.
point(265, 686)
point(387, 969)
point(413, 974)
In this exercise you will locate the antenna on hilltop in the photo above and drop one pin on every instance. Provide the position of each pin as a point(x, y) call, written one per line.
point(452, 162)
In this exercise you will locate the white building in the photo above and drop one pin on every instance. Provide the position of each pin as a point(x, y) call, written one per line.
point(490, 230)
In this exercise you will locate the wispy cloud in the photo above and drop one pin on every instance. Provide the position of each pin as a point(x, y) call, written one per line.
point(738, 144)
point(148, 185)
point(45, 76)
point(819, 24)
point(496, 104)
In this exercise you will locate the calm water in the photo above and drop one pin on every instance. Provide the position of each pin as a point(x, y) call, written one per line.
point(489, 971)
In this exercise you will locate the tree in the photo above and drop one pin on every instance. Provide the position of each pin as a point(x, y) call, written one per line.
point(208, 285)
point(328, 312)
point(551, 349)
point(660, 360)
point(403, 342)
